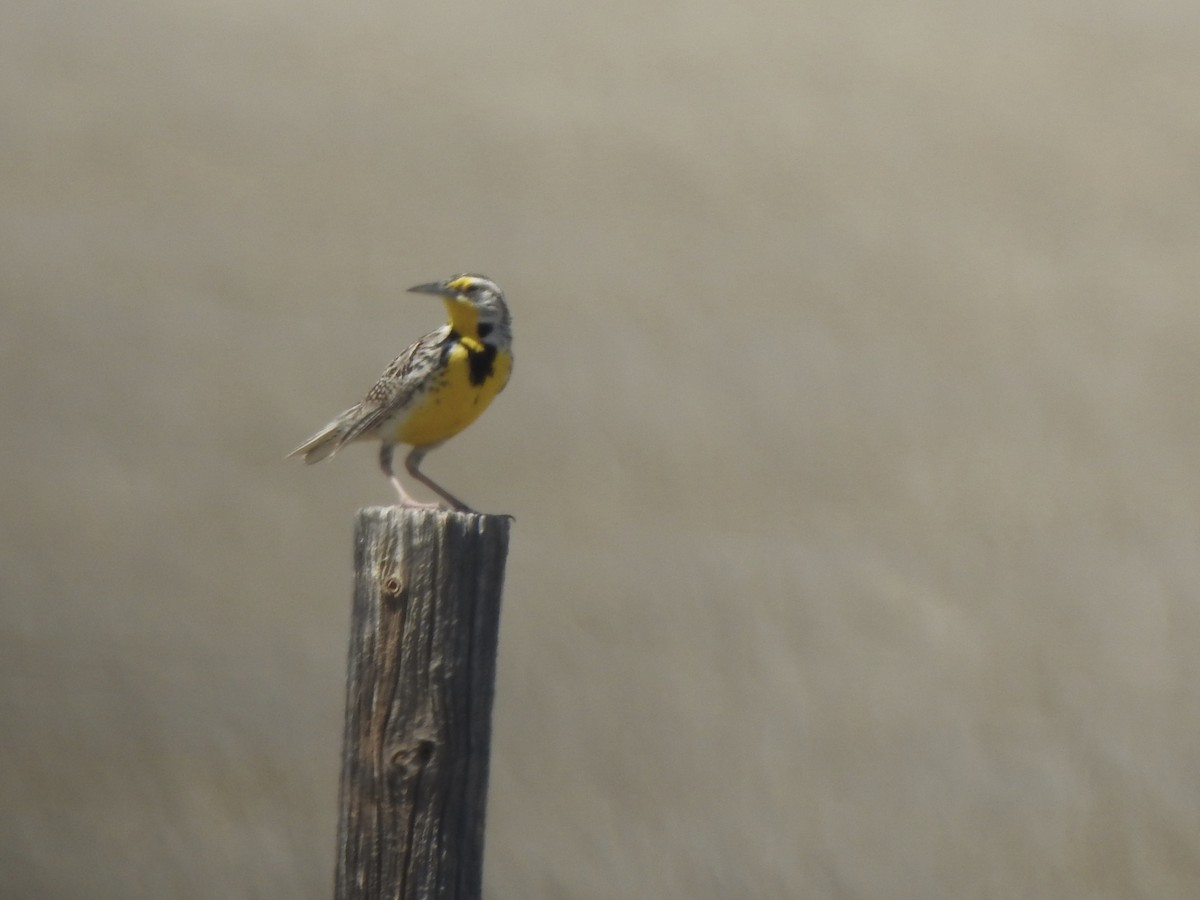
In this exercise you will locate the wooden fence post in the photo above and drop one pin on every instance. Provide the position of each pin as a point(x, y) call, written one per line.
point(421, 677)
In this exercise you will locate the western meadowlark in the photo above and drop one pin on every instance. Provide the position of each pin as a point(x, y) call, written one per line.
point(434, 389)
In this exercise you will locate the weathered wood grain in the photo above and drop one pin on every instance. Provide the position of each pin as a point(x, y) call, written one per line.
point(421, 677)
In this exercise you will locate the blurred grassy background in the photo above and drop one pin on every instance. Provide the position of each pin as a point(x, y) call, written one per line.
point(852, 437)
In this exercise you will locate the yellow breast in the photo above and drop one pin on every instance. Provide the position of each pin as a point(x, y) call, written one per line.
point(460, 390)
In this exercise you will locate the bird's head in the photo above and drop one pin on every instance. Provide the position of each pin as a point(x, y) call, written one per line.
point(476, 306)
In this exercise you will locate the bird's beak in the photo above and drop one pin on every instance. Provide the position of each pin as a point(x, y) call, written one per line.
point(437, 288)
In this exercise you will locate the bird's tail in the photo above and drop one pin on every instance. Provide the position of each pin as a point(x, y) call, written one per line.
point(328, 440)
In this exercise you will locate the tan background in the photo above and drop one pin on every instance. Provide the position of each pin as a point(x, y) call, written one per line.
point(853, 440)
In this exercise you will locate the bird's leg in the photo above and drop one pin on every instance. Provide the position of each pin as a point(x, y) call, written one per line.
point(412, 461)
point(406, 499)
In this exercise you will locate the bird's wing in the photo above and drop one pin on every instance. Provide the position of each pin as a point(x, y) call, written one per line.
point(403, 377)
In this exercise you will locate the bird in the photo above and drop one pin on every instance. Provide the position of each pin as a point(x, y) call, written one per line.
point(433, 390)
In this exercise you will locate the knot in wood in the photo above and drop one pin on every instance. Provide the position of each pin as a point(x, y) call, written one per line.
point(393, 585)
point(414, 755)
